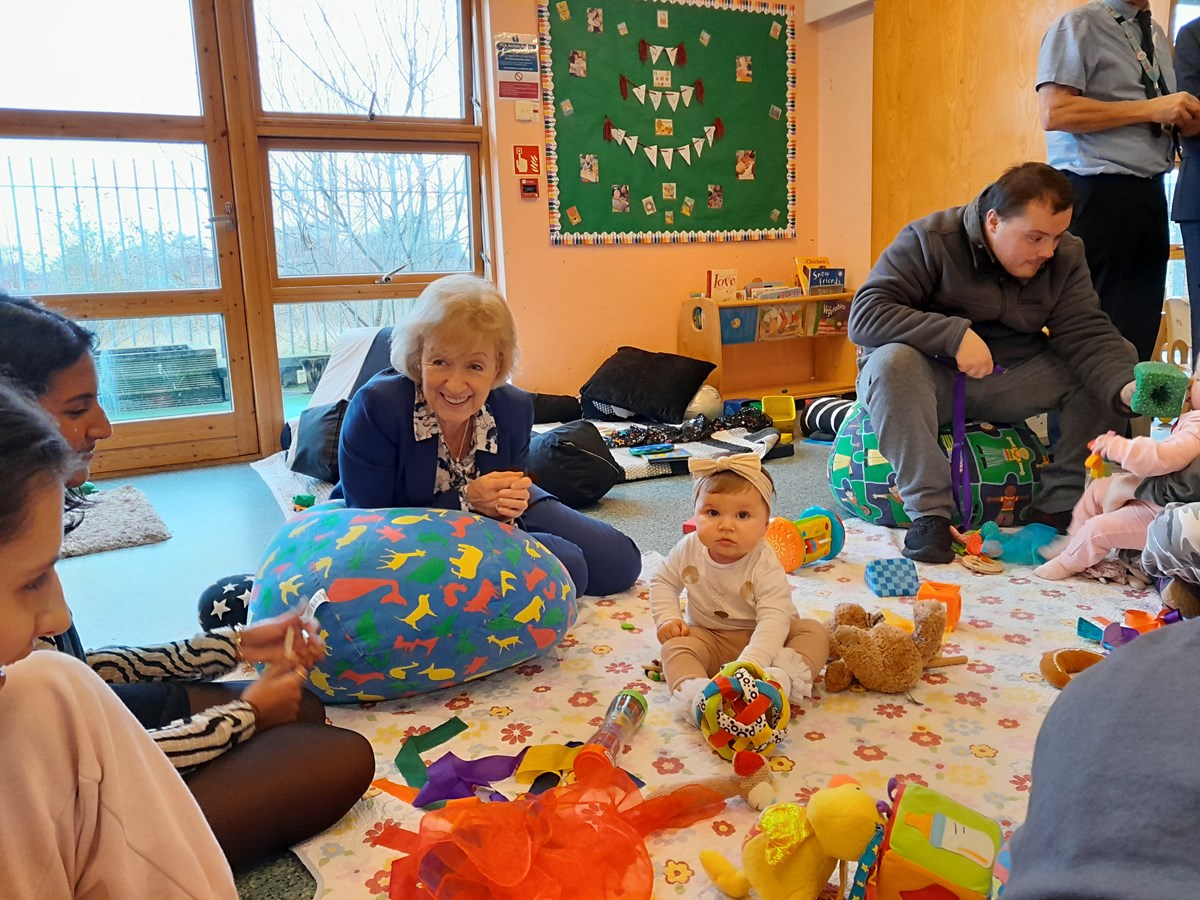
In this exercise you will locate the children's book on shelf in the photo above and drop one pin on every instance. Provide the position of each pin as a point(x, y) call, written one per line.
point(804, 267)
point(826, 280)
point(722, 284)
point(785, 320)
point(834, 316)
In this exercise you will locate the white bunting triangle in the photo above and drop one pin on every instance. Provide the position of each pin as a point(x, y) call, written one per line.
point(667, 154)
point(673, 98)
point(652, 154)
point(618, 135)
point(686, 153)
point(686, 91)
point(656, 98)
point(631, 142)
point(639, 91)
point(698, 144)
point(655, 52)
point(671, 51)
point(709, 131)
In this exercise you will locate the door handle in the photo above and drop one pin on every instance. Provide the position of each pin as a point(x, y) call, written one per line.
point(228, 219)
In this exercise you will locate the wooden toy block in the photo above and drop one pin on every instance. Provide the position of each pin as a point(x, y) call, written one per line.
point(948, 594)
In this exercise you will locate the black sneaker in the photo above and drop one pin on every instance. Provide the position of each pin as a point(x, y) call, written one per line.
point(928, 540)
point(1059, 521)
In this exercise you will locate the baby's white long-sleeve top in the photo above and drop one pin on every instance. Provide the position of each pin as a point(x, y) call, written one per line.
point(752, 593)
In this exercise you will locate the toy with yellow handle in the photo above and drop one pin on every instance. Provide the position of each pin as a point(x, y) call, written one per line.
point(794, 849)
point(818, 534)
point(1096, 466)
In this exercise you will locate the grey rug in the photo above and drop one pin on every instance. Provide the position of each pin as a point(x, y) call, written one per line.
point(118, 517)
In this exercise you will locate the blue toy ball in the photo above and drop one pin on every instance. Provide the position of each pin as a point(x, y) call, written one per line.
point(416, 599)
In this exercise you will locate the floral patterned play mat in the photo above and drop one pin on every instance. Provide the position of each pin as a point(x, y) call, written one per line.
point(967, 730)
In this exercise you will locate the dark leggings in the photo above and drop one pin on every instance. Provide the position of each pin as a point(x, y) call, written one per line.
point(283, 785)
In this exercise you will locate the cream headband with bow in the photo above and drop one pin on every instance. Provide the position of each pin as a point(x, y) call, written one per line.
point(746, 465)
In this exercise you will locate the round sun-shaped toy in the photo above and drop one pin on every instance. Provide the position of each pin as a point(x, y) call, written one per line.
point(741, 710)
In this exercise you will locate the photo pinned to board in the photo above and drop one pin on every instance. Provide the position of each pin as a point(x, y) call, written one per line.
point(589, 168)
point(564, 11)
point(776, 30)
point(595, 20)
point(716, 196)
point(620, 198)
point(662, 78)
point(774, 112)
point(573, 215)
point(664, 21)
point(648, 206)
point(687, 206)
point(742, 69)
point(669, 217)
point(744, 166)
point(664, 127)
point(567, 107)
point(668, 190)
point(577, 63)
point(622, 29)
point(705, 37)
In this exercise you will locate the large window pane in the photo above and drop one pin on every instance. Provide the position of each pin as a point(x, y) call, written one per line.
point(136, 56)
point(307, 332)
point(163, 366)
point(88, 216)
point(348, 213)
point(360, 57)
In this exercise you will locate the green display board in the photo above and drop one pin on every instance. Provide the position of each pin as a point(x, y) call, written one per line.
point(668, 121)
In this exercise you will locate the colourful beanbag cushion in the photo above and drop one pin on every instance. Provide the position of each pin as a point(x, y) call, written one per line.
point(418, 599)
point(1004, 461)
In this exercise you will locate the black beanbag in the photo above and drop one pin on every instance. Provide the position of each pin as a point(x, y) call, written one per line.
point(573, 463)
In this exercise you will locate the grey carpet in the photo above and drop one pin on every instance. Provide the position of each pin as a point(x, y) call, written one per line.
point(115, 518)
point(650, 511)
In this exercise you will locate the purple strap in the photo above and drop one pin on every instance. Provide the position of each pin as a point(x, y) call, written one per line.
point(960, 472)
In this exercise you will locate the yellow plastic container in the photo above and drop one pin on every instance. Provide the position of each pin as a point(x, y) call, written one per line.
point(782, 410)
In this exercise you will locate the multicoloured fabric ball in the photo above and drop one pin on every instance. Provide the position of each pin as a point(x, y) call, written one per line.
point(741, 710)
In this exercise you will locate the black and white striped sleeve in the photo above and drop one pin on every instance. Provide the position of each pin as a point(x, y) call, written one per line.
point(204, 736)
point(202, 657)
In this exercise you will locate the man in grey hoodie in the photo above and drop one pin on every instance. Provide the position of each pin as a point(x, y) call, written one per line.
point(969, 290)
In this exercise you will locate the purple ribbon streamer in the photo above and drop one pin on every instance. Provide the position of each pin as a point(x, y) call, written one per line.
point(451, 778)
point(960, 472)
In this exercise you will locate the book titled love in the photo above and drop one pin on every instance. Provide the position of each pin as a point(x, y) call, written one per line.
point(722, 284)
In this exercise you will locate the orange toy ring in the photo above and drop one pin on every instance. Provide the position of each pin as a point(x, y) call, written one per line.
point(1060, 666)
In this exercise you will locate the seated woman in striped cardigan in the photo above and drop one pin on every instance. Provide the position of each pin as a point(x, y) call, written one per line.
point(264, 767)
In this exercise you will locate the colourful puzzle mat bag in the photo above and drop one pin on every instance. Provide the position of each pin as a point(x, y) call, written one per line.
point(1004, 464)
point(417, 599)
point(933, 847)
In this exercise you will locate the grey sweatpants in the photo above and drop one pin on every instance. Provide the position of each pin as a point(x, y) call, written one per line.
point(908, 395)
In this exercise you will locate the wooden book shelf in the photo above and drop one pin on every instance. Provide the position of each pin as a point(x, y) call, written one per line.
point(815, 365)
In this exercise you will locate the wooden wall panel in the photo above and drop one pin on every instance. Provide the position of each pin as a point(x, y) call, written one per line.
point(954, 101)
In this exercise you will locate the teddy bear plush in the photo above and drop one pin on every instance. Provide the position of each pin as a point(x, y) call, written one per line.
point(882, 657)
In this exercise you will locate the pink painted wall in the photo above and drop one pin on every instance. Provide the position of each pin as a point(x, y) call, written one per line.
point(575, 305)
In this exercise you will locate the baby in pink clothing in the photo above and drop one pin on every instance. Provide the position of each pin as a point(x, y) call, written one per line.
point(1107, 516)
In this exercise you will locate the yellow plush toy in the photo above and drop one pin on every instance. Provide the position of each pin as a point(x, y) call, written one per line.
point(794, 849)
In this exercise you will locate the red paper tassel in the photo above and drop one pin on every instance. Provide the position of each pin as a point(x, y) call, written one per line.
point(699, 90)
point(643, 50)
point(608, 126)
point(680, 56)
point(624, 88)
point(720, 129)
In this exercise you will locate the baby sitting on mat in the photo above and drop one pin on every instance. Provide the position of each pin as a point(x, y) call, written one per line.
point(739, 603)
point(1108, 516)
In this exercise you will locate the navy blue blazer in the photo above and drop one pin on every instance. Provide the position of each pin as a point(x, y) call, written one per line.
point(1185, 207)
point(382, 464)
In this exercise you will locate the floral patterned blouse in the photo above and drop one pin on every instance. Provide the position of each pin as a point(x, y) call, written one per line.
point(453, 474)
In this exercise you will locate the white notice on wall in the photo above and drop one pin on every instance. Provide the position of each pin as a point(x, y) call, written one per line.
point(517, 66)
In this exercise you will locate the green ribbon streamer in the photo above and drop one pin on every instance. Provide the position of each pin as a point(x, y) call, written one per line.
point(408, 760)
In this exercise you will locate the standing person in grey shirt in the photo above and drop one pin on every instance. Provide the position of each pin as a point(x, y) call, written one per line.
point(1106, 91)
point(1185, 209)
point(966, 290)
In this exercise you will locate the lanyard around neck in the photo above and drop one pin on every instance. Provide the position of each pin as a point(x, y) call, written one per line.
point(1152, 70)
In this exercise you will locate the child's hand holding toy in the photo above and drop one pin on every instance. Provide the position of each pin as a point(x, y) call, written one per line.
point(1099, 444)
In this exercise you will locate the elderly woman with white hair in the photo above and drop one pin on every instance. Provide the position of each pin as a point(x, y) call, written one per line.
point(442, 428)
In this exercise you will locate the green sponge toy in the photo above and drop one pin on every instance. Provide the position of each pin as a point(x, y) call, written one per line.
point(1160, 389)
